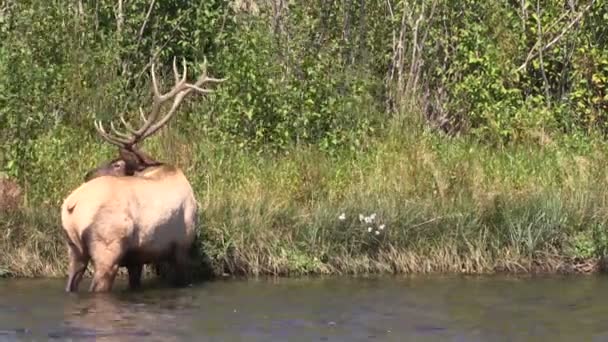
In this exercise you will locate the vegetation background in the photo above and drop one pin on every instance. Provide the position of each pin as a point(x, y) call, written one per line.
point(352, 136)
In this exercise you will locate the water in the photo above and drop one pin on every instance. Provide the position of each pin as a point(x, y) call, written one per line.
point(331, 309)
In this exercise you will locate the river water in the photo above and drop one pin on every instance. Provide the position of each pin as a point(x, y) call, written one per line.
point(434, 308)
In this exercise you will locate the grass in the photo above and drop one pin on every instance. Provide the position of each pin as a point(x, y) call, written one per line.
point(446, 205)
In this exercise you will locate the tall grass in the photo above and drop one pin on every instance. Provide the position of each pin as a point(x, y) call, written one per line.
point(438, 205)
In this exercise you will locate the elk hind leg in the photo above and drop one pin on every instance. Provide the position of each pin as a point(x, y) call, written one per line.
point(106, 262)
point(77, 267)
point(104, 276)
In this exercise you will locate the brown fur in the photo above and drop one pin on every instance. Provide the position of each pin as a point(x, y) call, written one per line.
point(117, 219)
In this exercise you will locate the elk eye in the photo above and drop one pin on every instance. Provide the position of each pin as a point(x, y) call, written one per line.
point(116, 165)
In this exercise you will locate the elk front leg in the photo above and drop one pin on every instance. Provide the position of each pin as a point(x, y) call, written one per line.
point(76, 269)
point(181, 263)
point(134, 275)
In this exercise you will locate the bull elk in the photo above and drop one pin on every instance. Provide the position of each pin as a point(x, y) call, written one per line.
point(133, 210)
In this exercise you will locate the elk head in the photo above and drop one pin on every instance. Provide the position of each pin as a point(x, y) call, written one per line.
point(132, 161)
point(129, 163)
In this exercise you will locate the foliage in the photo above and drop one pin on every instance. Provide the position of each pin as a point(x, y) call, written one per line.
point(317, 89)
point(307, 74)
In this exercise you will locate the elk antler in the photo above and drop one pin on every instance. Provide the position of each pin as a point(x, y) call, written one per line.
point(153, 123)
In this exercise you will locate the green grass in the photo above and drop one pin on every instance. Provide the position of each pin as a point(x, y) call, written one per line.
point(447, 205)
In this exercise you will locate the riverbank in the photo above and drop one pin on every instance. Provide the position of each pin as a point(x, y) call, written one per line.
point(322, 152)
point(406, 203)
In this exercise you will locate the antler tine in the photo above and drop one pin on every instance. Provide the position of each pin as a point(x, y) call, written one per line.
point(112, 140)
point(185, 75)
point(175, 72)
point(180, 84)
point(154, 83)
point(127, 125)
point(179, 81)
point(179, 90)
point(117, 132)
point(203, 78)
point(157, 101)
point(122, 139)
point(159, 124)
point(142, 115)
point(153, 122)
point(180, 94)
point(199, 89)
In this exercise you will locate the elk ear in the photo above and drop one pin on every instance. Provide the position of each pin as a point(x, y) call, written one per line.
point(132, 162)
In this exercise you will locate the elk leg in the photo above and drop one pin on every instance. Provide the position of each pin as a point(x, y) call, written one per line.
point(77, 267)
point(103, 278)
point(181, 262)
point(158, 268)
point(134, 275)
point(106, 261)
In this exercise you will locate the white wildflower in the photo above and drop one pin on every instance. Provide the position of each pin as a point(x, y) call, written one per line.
point(361, 217)
point(377, 232)
point(369, 219)
point(369, 229)
point(342, 217)
point(373, 216)
point(381, 227)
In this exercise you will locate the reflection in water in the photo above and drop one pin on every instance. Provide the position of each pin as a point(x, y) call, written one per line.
point(103, 316)
point(333, 309)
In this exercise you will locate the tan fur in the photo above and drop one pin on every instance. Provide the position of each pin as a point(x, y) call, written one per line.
point(128, 221)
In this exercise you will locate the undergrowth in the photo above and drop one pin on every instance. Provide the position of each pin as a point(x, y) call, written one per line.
point(410, 203)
